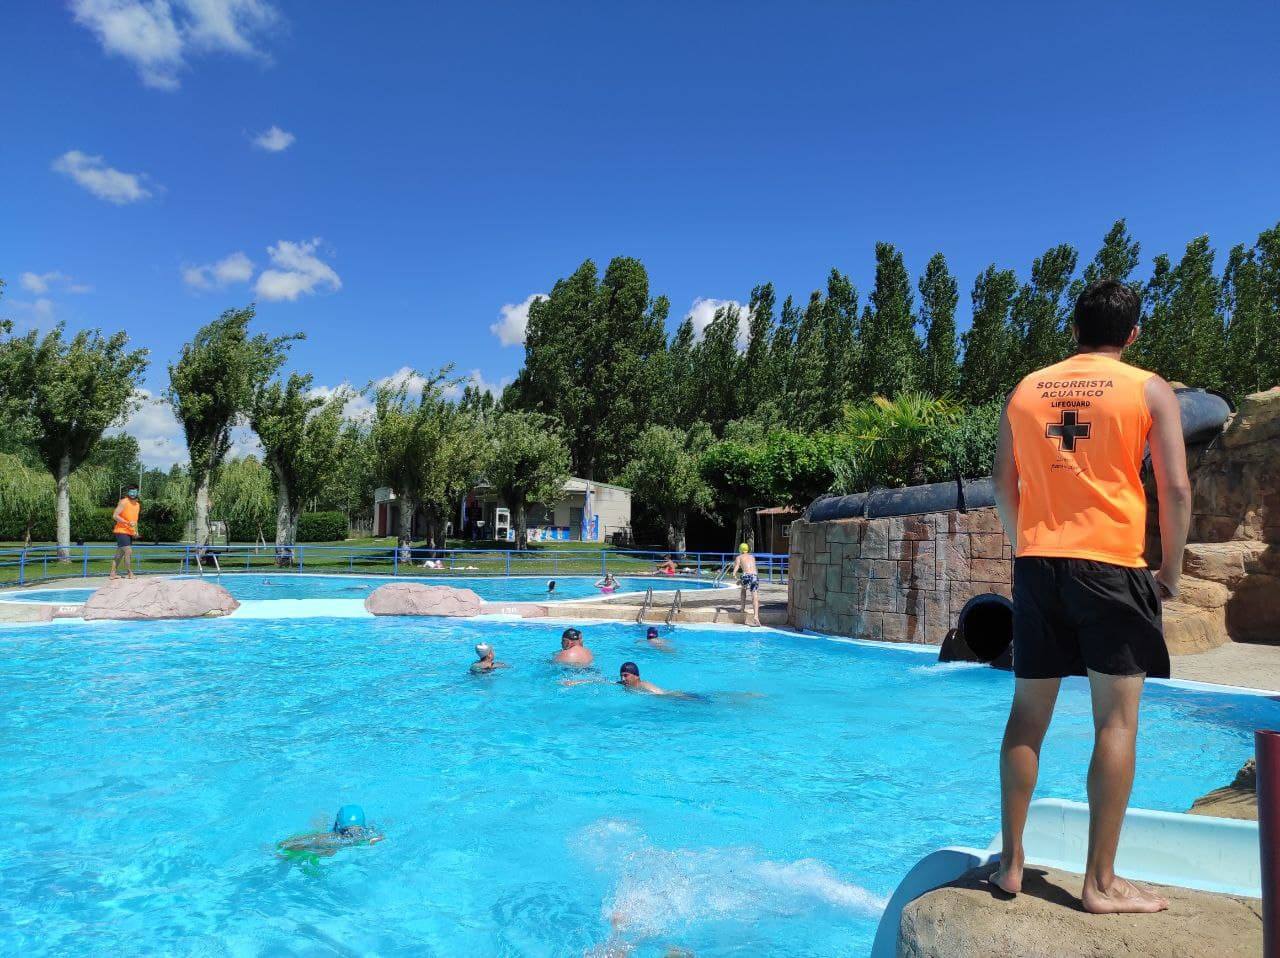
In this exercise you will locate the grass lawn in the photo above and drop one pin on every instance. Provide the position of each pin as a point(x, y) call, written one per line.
point(362, 556)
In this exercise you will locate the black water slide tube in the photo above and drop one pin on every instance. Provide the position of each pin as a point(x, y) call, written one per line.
point(1203, 415)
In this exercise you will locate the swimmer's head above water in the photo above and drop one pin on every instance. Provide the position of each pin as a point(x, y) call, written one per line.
point(652, 633)
point(569, 638)
point(348, 817)
point(629, 674)
point(484, 651)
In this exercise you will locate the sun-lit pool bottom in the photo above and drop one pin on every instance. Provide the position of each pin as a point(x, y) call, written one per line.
point(255, 586)
point(150, 768)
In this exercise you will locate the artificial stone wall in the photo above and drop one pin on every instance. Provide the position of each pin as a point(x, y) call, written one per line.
point(900, 579)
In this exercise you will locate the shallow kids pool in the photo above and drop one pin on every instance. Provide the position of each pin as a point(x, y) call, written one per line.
point(148, 770)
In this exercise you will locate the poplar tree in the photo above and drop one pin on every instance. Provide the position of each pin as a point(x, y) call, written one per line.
point(1267, 252)
point(683, 403)
point(986, 372)
point(1116, 259)
point(890, 350)
point(717, 365)
point(1244, 303)
point(939, 367)
point(841, 348)
point(1040, 312)
point(1152, 348)
point(757, 386)
point(782, 348)
point(1195, 319)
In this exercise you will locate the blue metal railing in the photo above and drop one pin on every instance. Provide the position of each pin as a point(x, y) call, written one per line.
point(45, 563)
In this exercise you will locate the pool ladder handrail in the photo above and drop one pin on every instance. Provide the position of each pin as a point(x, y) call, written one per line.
point(724, 570)
point(644, 606)
point(676, 603)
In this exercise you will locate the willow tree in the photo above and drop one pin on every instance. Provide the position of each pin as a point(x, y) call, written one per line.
point(27, 492)
point(300, 433)
point(528, 463)
point(69, 392)
point(244, 495)
point(211, 386)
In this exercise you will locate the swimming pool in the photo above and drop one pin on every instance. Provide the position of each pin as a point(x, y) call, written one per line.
point(291, 585)
point(149, 768)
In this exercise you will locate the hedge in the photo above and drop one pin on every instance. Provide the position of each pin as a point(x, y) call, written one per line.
point(322, 527)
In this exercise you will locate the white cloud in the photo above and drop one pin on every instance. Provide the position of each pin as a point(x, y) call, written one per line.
point(34, 314)
point(358, 407)
point(300, 271)
point(476, 379)
point(105, 182)
point(159, 434)
point(513, 320)
point(274, 140)
point(157, 35)
point(703, 311)
point(235, 268)
point(41, 283)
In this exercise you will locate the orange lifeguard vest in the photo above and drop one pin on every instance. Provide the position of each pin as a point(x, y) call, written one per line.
point(128, 521)
point(1079, 434)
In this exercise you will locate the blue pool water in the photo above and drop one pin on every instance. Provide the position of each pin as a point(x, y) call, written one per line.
point(253, 586)
point(148, 768)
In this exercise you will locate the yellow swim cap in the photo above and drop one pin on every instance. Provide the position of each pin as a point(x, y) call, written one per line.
point(744, 548)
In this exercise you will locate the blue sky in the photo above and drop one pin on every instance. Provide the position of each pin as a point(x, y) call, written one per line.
point(433, 166)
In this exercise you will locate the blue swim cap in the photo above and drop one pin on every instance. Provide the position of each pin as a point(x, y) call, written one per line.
point(349, 816)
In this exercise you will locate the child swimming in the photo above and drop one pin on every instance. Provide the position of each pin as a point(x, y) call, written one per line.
point(349, 829)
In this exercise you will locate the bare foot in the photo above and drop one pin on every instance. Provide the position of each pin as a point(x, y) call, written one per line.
point(1008, 877)
point(1120, 897)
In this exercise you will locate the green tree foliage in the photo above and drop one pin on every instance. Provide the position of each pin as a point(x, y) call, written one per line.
point(429, 450)
point(939, 366)
point(987, 370)
point(841, 348)
point(68, 392)
point(718, 369)
point(1041, 313)
point(782, 348)
point(680, 401)
point(244, 497)
point(593, 360)
point(29, 493)
point(1267, 252)
point(665, 474)
point(1116, 259)
point(890, 350)
point(213, 384)
point(756, 388)
point(1194, 353)
point(299, 433)
point(118, 459)
point(1246, 307)
point(528, 463)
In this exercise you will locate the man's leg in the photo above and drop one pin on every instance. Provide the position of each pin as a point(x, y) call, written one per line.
point(755, 604)
point(1029, 717)
point(127, 553)
point(1115, 725)
point(115, 559)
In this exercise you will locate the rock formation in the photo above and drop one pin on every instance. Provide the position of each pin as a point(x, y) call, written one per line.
point(1237, 800)
point(155, 597)
point(966, 918)
point(414, 598)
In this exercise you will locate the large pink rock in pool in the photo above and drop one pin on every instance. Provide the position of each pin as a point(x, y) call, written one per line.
point(158, 598)
point(414, 598)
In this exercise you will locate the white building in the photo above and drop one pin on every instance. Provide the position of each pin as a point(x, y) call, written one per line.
point(483, 515)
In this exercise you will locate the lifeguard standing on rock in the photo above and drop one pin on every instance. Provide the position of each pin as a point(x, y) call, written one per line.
point(125, 531)
point(1069, 489)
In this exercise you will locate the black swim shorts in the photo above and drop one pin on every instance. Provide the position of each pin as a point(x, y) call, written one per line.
point(1070, 615)
point(123, 540)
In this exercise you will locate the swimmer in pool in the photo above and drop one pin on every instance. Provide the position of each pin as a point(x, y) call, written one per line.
point(572, 651)
point(666, 567)
point(551, 586)
point(629, 679)
point(654, 640)
point(349, 829)
point(484, 659)
point(608, 584)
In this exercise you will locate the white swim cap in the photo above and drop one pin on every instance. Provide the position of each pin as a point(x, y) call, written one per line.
point(483, 649)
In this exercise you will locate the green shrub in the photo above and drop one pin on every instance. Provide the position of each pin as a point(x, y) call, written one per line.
point(322, 526)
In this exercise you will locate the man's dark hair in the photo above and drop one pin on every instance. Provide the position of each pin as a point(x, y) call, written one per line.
point(1106, 313)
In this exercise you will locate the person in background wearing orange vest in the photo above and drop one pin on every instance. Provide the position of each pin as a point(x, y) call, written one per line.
point(1071, 501)
point(125, 530)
